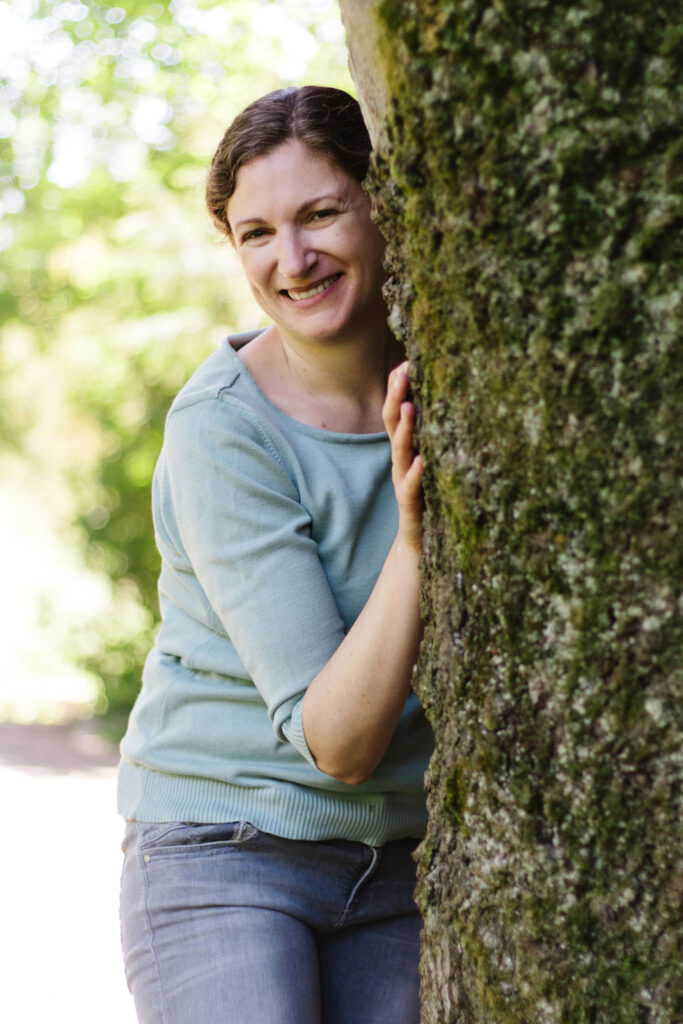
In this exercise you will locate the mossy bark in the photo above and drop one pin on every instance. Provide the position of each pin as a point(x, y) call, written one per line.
point(529, 181)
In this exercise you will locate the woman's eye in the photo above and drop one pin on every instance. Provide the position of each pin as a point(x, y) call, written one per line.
point(255, 233)
point(323, 214)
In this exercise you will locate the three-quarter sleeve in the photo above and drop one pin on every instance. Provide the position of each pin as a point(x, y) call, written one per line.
point(246, 536)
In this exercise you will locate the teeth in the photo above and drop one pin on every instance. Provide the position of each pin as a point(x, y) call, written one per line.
point(313, 291)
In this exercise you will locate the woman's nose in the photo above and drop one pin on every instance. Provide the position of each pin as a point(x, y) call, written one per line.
point(296, 256)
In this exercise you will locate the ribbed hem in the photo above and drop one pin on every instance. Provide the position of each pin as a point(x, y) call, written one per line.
point(283, 809)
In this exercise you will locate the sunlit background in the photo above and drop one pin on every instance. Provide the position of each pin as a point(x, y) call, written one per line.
point(113, 287)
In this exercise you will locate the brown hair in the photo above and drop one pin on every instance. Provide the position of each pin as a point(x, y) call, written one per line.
point(328, 121)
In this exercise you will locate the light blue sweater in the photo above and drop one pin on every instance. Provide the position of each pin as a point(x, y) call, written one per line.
point(272, 535)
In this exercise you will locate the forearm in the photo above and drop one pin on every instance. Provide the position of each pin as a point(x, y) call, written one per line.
point(352, 706)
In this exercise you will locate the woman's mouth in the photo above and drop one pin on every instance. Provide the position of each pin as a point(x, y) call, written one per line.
point(316, 289)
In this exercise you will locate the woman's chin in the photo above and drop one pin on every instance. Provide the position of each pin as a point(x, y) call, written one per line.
point(326, 323)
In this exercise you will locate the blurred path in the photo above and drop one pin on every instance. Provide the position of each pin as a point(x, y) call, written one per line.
point(60, 861)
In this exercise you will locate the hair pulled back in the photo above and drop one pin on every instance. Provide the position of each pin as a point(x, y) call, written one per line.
point(327, 120)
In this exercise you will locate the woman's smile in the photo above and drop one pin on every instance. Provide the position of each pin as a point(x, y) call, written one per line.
point(313, 290)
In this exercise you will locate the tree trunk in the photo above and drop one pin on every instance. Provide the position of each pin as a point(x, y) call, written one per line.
point(529, 180)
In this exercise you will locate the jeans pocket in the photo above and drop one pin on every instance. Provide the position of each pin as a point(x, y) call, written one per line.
point(166, 838)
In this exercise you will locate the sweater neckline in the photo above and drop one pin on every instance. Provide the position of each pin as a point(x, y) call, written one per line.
point(304, 428)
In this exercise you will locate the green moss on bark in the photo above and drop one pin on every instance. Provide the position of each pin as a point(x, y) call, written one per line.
point(531, 191)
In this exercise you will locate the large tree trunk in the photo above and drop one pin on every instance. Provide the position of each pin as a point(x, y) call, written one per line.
point(529, 178)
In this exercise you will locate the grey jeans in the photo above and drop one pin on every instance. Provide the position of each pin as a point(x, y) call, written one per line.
point(224, 924)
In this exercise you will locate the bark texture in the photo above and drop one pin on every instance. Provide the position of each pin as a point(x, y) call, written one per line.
point(529, 180)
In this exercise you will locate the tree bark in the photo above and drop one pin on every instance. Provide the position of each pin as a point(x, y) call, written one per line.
point(528, 177)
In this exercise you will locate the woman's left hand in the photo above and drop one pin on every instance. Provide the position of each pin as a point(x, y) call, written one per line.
point(352, 707)
point(399, 418)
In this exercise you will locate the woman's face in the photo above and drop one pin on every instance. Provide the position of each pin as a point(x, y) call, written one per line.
point(312, 256)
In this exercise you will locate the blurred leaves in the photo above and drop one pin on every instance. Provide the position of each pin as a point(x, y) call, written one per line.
point(113, 284)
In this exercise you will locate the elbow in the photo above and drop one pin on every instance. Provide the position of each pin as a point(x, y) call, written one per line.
point(351, 759)
point(354, 778)
point(352, 775)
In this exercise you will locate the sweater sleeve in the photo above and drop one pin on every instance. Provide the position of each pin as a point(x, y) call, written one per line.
point(247, 538)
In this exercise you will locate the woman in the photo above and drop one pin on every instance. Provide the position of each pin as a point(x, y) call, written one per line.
point(272, 773)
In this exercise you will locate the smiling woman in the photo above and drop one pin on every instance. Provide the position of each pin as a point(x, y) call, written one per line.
point(272, 773)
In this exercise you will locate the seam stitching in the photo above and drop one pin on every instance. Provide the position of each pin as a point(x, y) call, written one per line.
point(365, 877)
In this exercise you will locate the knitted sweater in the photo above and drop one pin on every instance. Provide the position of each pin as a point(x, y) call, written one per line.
point(272, 535)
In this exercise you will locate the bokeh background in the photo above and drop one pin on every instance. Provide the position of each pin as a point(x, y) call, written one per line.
point(113, 287)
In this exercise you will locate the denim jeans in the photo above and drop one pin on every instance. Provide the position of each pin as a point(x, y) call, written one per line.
point(225, 924)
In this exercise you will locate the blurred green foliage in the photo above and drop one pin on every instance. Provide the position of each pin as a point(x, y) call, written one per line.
point(113, 286)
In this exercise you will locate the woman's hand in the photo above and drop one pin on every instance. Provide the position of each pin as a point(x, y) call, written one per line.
point(351, 708)
point(399, 418)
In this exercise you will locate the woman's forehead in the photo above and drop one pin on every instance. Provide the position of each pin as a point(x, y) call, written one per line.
point(289, 177)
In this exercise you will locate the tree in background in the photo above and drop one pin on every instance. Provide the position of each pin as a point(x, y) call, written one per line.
point(529, 180)
point(113, 287)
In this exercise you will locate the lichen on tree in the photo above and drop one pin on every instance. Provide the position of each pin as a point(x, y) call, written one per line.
point(529, 181)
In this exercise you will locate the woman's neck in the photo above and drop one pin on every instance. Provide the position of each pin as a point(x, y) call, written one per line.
point(337, 386)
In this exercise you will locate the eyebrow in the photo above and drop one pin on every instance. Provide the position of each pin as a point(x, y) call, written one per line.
point(301, 209)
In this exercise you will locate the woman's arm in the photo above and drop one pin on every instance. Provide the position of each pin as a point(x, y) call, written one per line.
point(353, 705)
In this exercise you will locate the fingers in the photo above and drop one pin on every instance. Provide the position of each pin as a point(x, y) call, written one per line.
point(399, 419)
point(402, 442)
point(397, 390)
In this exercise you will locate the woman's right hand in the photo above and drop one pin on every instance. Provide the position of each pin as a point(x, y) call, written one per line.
point(398, 414)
